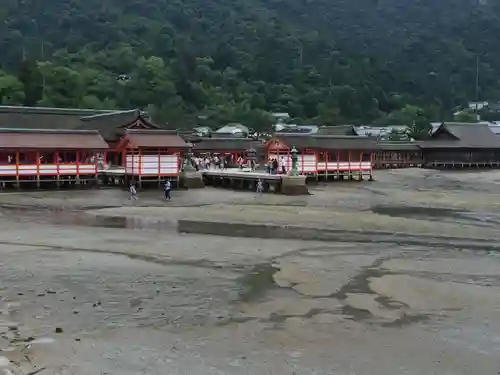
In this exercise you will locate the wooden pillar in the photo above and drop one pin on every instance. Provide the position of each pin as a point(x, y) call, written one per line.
point(338, 164)
point(77, 162)
point(350, 168)
point(139, 172)
point(58, 177)
point(327, 156)
point(316, 158)
point(37, 169)
point(302, 161)
point(132, 163)
point(17, 169)
point(360, 165)
point(96, 167)
point(371, 165)
point(159, 168)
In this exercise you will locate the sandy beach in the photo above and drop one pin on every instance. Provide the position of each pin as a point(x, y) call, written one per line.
point(396, 276)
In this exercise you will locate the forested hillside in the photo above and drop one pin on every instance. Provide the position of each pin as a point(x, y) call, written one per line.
point(327, 61)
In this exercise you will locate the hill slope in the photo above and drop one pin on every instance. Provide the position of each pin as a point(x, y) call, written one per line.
point(334, 61)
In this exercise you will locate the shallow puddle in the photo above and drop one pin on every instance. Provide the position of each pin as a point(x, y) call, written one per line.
point(416, 212)
point(72, 218)
point(483, 219)
point(256, 283)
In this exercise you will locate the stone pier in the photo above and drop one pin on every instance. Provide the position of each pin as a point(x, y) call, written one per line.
point(192, 180)
point(294, 185)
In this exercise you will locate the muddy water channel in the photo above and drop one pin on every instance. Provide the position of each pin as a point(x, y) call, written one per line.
point(399, 276)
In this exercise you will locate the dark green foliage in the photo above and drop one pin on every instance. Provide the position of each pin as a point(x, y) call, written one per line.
point(322, 61)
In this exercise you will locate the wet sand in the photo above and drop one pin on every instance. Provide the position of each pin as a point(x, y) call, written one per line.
point(92, 283)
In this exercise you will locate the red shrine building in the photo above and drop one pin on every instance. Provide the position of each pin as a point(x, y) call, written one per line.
point(151, 154)
point(60, 157)
point(324, 156)
point(37, 142)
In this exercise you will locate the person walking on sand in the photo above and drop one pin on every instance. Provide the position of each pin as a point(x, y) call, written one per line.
point(260, 186)
point(168, 189)
point(132, 191)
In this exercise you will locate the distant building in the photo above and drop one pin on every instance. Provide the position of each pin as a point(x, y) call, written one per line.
point(298, 129)
point(477, 106)
point(281, 118)
point(232, 130)
point(202, 131)
point(381, 132)
point(461, 145)
point(488, 106)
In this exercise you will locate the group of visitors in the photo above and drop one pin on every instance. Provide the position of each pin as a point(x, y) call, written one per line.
point(217, 161)
point(275, 166)
point(209, 161)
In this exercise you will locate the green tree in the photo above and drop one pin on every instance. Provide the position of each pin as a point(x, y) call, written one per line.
point(490, 116)
point(258, 120)
point(63, 86)
point(421, 126)
point(31, 78)
point(466, 116)
point(11, 90)
point(342, 62)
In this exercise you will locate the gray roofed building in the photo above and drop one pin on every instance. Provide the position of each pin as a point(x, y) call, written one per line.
point(381, 132)
point(155, 138)
point(298, 129)
point(378, 132)
point(462, 135)
point(337, 130)
point(233, 129)
point(110, 123)
point(44, 118)
point(202, 131)
point(398, 146)
point(51, 139)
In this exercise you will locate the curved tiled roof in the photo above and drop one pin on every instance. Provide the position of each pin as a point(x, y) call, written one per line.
point(154, 138)
point(462, 135)
point(51, 139)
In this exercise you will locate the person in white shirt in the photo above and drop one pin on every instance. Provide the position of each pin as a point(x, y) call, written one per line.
point(260, 186)
point(133, 192)
point(168, 189)
point(283, 165)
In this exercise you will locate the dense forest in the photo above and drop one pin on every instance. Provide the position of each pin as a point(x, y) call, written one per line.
point(207, 61)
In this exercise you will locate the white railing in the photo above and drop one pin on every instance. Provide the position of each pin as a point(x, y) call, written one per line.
point(152, 165)
point(46, 169)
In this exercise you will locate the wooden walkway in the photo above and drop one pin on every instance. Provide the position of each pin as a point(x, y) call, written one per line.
point(241, 179)
point(241, 174)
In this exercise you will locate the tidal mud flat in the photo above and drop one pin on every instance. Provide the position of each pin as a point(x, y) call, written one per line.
point(396, 276)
